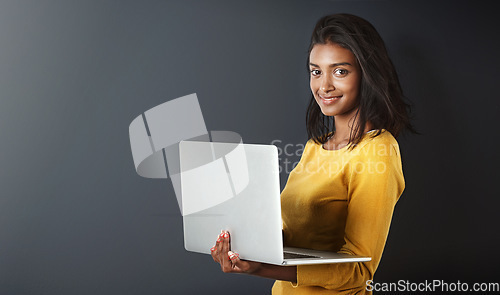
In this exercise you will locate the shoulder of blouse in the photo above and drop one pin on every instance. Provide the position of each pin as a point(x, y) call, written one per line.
point(383, 144)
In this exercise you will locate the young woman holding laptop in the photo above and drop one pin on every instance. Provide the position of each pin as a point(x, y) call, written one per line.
point(341, 195)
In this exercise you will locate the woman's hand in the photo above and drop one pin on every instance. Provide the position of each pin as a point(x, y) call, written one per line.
point(229, 261)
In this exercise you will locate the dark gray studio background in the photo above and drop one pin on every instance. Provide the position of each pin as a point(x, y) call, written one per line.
point(75, 218)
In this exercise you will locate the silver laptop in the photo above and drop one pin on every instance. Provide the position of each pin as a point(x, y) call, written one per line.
point(235, 187)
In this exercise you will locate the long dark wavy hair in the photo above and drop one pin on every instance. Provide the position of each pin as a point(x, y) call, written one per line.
point(380, 101)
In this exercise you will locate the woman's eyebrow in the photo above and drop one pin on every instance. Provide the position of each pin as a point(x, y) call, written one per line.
point(332, 65)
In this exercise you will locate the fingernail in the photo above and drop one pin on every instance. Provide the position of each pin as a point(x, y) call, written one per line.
point(212, 249)
point(226, 235)
point(232, 255)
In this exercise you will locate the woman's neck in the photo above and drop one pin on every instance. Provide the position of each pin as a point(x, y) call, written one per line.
point(344, 127)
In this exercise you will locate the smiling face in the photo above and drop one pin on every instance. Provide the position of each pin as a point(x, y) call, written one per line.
point(335, 79)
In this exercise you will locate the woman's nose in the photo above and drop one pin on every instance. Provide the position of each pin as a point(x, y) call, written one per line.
point(327, 84)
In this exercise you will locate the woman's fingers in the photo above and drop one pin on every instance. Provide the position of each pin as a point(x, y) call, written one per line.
point(225, 262)
point(246, 266)
point(213, 252)
point(216, 249)
point(243, 266)
point(236, 263)
point(230, 261)
point(220, 249)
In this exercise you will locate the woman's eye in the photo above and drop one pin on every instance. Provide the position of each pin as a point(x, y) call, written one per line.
point(340, 72)
point(315, 72)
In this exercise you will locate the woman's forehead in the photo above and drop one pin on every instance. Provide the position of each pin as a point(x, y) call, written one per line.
point(331, 53)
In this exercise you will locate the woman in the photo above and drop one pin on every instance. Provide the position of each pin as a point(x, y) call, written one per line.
point(341, 195)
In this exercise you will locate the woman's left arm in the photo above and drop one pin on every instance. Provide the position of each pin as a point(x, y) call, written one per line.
point(231, 263)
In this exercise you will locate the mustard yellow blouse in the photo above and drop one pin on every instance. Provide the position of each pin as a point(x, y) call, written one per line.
point(341, 200)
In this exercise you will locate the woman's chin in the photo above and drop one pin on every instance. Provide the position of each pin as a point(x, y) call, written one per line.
point(328, 113)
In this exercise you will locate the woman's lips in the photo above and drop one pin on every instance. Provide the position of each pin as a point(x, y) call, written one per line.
point(329, 99)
